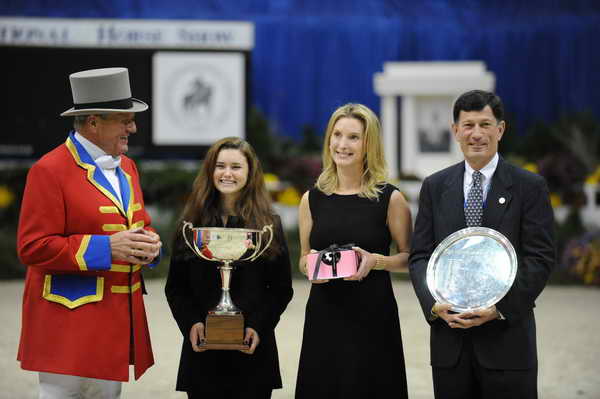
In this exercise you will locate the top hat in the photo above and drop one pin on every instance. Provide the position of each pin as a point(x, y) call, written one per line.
point(102, 91)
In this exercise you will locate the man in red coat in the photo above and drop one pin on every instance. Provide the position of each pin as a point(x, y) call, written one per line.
point(84, 235)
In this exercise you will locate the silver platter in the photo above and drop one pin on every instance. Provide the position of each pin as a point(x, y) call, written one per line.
point(471, 269)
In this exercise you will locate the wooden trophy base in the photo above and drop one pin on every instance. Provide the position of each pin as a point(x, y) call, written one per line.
point(224, 332)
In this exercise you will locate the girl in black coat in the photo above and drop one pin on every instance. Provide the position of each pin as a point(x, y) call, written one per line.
point(229, 191)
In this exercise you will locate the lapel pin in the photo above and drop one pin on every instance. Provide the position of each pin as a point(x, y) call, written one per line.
point(501, 200)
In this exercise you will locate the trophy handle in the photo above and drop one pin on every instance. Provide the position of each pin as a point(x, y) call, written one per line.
point(268, 228)
point(194, 248)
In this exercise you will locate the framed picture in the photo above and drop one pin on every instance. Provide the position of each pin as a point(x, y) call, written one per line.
point(198, 97)
point(433, 124)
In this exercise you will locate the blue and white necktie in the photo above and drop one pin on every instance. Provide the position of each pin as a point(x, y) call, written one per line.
point(474, 205)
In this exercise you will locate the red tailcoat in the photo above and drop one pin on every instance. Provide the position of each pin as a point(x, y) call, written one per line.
point(83, 313)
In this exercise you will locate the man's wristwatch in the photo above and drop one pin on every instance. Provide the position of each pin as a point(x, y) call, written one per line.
point(433, 314)
point(500, 315)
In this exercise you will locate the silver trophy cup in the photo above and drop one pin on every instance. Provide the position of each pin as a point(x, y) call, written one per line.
point(224, 324)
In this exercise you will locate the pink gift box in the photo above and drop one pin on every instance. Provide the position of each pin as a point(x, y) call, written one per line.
point(333, 263)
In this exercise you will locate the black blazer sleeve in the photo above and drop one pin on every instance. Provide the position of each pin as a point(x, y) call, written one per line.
point(423, 242)
point(535, 249)
point(277, 285)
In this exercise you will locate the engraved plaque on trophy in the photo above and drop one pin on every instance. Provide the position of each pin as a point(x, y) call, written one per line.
point(224, 327)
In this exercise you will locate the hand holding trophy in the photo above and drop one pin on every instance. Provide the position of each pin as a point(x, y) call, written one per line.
point(225, 323)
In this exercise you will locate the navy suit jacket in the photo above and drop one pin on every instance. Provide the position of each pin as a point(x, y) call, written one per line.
point(526, 218)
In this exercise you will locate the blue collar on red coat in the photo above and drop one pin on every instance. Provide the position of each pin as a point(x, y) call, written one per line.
point(97, 178)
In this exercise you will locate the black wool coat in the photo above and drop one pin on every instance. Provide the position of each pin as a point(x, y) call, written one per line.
point(518, 206)
point(261, 289)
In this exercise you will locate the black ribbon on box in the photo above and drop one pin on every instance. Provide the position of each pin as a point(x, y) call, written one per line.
point(334, 249)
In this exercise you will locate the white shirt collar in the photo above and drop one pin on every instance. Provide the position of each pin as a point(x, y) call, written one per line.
point(105, 162)
point(487, 171)
point(92, 149)
point(95, 151)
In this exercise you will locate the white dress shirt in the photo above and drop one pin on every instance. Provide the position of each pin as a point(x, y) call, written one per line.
point(487, 171)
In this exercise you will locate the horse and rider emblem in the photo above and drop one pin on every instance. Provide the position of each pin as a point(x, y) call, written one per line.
point(198, 97)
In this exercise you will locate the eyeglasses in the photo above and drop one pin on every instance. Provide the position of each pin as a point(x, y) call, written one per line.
point(126, 122)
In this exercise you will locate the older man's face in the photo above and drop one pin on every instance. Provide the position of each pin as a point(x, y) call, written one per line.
point(112, 132)
point(478, 134)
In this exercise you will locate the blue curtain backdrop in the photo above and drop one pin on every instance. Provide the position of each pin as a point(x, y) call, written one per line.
point(313, 55)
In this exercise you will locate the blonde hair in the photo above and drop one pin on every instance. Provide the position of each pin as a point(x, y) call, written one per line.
point(374, 165)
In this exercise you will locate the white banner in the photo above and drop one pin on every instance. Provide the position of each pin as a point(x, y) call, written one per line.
point(126, 33)
point(197, 98)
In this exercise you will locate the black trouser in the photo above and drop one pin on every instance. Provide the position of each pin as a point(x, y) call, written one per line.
point(235, 393)
point(469, 380)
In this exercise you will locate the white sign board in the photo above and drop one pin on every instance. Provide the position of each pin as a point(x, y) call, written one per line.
point(126, 33)
point(198, 98)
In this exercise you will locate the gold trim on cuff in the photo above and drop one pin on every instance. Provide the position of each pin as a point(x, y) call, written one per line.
point(124, 268)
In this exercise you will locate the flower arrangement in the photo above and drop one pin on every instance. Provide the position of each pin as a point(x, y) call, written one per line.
point(582, 258)
point(6, 197)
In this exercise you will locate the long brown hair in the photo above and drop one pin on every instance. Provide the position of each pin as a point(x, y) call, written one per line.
point(203, 206)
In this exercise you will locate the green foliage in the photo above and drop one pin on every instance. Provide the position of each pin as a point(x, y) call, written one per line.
point(260, 136)
point(564, 232)
point(565, 152)
point(273, 149)
point(580, 262)
point(578, 134)
point(311, 141)
point(12, 181)
point(297, 163)
point(167, 185)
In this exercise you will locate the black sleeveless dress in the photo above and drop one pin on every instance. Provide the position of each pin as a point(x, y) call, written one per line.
point(351, 347)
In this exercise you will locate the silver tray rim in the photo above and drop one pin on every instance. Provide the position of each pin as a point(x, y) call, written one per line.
point(459, 235)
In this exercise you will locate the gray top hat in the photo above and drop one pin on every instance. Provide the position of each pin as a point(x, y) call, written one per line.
point(102, 91)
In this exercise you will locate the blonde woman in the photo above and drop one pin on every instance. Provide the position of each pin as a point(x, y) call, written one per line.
point(352, 346)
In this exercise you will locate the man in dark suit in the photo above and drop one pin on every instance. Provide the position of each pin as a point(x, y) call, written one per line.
point(488, 353)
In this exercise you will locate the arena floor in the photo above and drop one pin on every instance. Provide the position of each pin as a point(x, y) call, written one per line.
point(568, 344)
